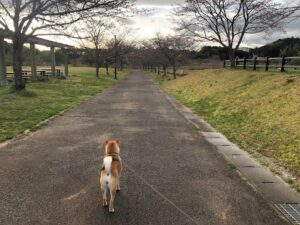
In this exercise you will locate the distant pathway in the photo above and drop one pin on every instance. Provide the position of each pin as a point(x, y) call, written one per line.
point(172, 175)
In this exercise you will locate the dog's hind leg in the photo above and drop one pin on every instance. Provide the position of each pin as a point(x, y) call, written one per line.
point(103, 191)
point(113, 191)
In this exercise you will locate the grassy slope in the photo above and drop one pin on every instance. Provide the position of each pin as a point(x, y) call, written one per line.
point(257, 110)
point(41, 100)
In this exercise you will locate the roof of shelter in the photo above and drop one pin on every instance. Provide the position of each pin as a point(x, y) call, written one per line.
point(35, 40)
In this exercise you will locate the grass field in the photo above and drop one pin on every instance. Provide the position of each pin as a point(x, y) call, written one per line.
point(23, 110)
point(257, 110)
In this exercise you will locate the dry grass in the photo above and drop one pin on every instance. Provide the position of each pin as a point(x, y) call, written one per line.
point(257, 110)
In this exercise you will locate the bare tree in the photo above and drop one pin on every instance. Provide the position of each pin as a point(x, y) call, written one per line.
point(92, 37)
point(152, 58)
point(125, 48)
point(173, 48)
point(25, 18)
point(120, 46)
point(228, 21)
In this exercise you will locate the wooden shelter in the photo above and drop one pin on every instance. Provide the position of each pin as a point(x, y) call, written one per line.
point(33, 41)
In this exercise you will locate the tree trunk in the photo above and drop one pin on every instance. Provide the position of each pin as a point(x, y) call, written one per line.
point(97, 62)
point(3, 78)
point(174, 71)
point(106, 66)
point(17, 62)
point(231, 54)
point(116, 72)
point(121, 64)
point(165, 70)
point(97, 70)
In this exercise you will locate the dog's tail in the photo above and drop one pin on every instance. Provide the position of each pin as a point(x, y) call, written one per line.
point(107, 164)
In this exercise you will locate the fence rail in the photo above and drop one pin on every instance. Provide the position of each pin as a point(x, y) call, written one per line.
point(279, 64)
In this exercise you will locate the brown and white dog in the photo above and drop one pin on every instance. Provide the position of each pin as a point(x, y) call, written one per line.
point(110, 172)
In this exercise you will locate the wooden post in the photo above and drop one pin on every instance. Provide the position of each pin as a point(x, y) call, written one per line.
point(236, 62)
point(158, 69)
point(224, 63)
point(245, 63)
point(115, 58)
point(283, 64)
point(53, 63)
point(33, 62)
point(66, 63)
point(3, 78)
point(255, 63)
point(267, 63)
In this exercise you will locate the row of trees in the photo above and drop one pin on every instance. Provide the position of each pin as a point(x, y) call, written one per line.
point(163, 51)
point(25, 18)
point(227, 22)
point(107, 42)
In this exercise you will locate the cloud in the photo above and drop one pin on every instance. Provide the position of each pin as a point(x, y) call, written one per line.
point(291, 30)
point(156, 20)
point(160, 20)
point(160, 2)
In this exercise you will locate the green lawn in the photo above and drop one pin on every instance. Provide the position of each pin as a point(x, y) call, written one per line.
point(257, 110)
point(20, 111)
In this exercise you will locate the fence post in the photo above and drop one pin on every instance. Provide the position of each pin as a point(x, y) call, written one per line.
point(224, 63)
point(283, 64)
point(245, 62)
point(255, 63)
point(267, 63)
point(236, 62)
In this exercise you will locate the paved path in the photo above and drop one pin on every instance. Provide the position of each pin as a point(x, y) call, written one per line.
point(172, 175)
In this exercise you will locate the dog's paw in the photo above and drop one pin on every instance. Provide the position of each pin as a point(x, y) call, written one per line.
point(112, 210)
point(105, 204)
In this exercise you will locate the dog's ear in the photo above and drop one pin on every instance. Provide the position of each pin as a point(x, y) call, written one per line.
point(118, 141)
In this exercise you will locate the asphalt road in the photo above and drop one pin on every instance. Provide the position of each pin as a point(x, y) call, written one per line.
point(172, 175)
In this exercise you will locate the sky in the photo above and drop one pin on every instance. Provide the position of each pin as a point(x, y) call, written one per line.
point(158, 21)
point(161, 21)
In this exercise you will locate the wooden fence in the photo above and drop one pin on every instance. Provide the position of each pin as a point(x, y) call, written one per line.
point(276, 64)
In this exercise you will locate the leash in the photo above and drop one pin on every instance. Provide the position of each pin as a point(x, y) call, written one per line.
point(162, 195)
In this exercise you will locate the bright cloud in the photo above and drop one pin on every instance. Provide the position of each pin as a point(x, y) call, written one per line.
point(161, 21)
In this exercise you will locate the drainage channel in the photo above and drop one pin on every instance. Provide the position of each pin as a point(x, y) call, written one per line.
point(291, 211)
